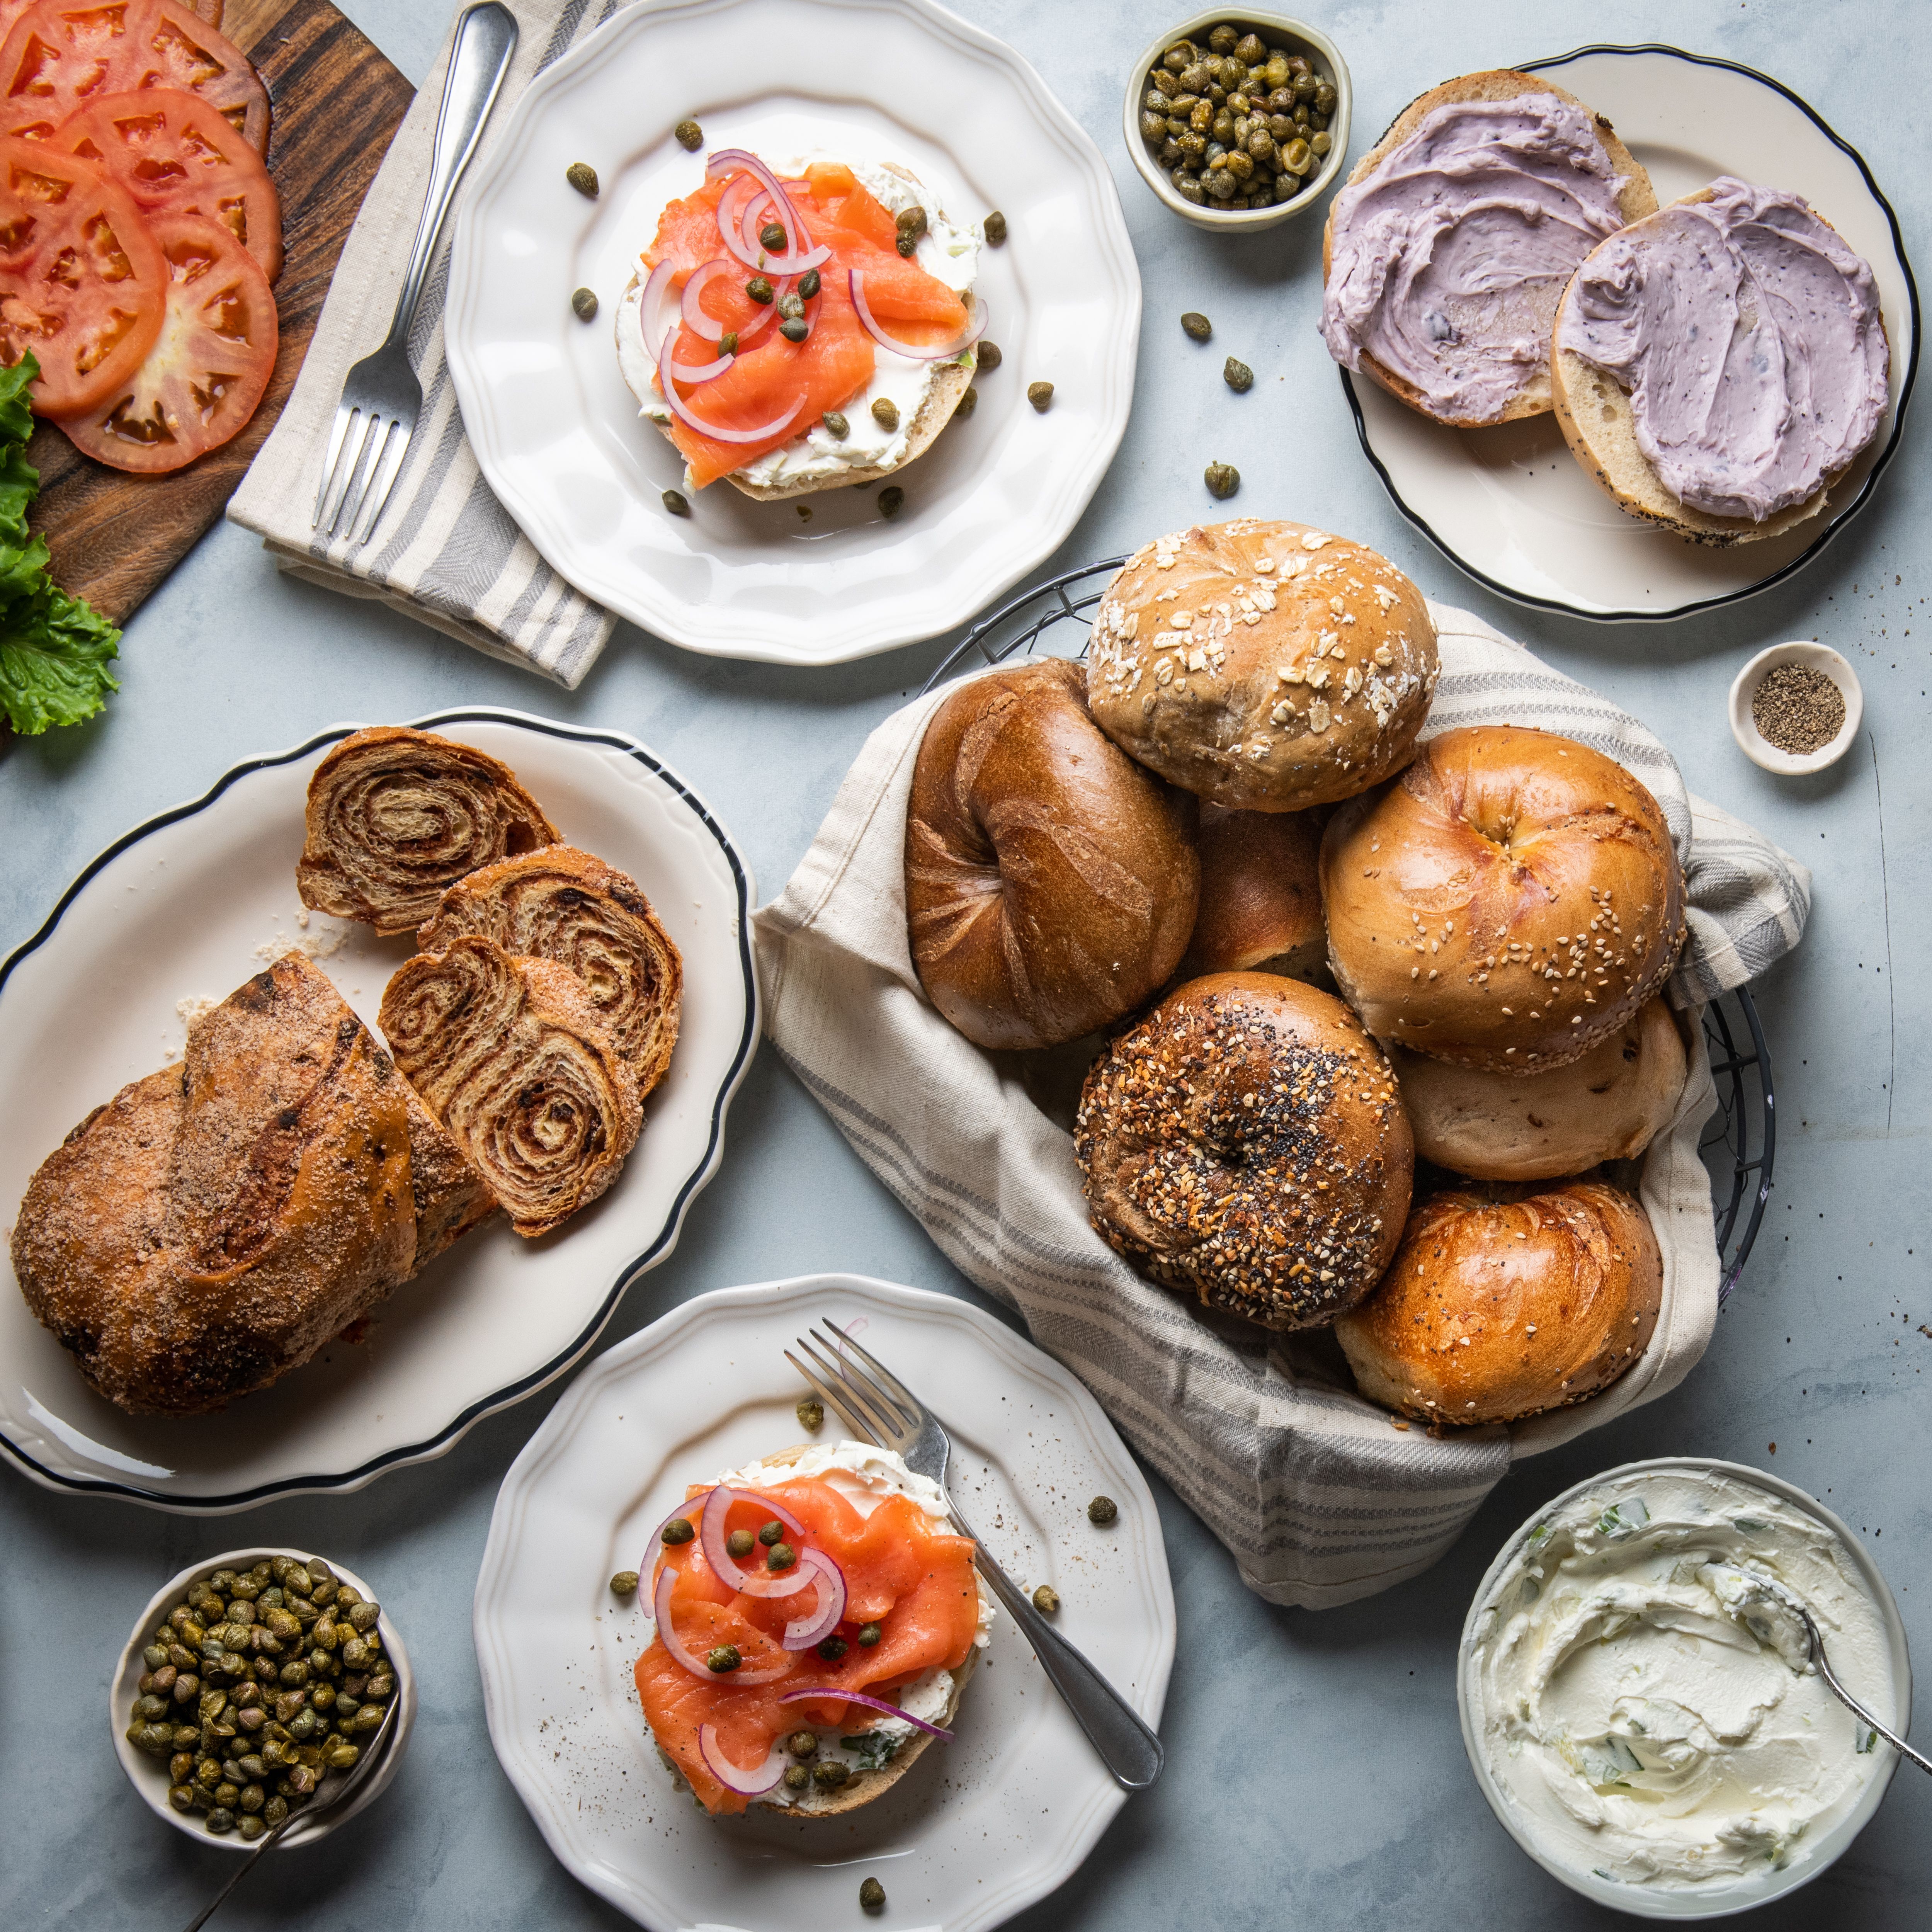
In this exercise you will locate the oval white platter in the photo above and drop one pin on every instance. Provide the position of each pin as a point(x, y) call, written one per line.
point(191, 905)
point(1509, 504)
point(979, 1828)
point(558, 437)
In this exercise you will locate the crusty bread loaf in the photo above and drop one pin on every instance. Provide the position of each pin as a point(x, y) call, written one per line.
point(1260, 896)
point(1492, 1310)
point(1635, 198)
point(1608, 1105)
point(1051, 883)
point(1508, 902)
point(1268, 667)
point(1246, 1143)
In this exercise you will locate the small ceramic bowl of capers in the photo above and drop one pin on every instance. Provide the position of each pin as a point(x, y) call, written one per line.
point(1239, 121)
point(262, 1721)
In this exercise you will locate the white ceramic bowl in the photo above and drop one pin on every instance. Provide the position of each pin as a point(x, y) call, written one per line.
point(1744, 726)
point(1820, 1853)
point(1310, 42)
point(149, 1776)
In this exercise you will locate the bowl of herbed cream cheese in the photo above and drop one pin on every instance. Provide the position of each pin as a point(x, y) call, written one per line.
point(1640, 1712)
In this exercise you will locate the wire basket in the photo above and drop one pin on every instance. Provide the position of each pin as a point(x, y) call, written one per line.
point(1738, 1143)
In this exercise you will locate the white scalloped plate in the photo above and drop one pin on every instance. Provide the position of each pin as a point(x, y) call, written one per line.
point(979, 1828)
point(558, 435)
point(1509, 504)
point(189, 906)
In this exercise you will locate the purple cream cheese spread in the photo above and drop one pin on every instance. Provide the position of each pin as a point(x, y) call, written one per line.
point(1748, 336)
point(1447, 261)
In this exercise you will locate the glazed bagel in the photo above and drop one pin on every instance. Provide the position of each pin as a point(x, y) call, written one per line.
point(563, 904)
point(1261, 895)
point(510, 1056)
point(1245, 1142)
point(1608, 1105)
point(1267, 666)
point(1051, 883)
point(395, 817)
point(1508, 903)
point(1494, 1310)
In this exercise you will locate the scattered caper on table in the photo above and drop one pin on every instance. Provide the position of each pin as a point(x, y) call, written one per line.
point(1103, 1509)
point(1238, 375)
point(689, 134)
point(584, 302)
point(1197, 325)
point(966, 404)
point(624, 1584)
point(582, 177)
point(1222, 480)
point(892, 501)
point(1046, 1599)
point(872, 1896)
point(886, 413)
point(995, 229)
point(987, 357)
point(1040, 394)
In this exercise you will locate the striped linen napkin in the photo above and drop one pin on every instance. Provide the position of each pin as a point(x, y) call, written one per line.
point(446, 552)
point(1318, 1497)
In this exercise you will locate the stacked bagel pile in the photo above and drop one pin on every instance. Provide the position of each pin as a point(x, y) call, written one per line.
point(1293, 948)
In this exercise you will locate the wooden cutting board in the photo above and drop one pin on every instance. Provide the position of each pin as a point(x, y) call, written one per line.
point(335, 102)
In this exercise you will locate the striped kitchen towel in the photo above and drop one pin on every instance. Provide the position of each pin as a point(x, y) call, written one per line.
point(1318, 1498)
point(445, 551)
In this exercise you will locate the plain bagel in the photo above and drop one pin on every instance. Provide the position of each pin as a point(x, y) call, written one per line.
point(1051, 883)
point(1509, 902)
point(1261, 895)
point(1267, 666)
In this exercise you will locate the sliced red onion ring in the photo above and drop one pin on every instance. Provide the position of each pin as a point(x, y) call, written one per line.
point(691, 1508)
point(720, 435)
point(695, 319)
point(727, 160)
point(748, 1783)
point(731, 203)
point(661, 1607)
point(828, 1693)
point(704, 372)
point(971, 335)
point(655, 299)
point(711, 1533)
point(801, 1633)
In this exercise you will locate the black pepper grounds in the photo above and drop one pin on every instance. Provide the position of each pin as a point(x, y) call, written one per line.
point(1798, 709)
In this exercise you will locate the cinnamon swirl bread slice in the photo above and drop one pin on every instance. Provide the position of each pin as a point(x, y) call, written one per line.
point(510, 1055)
point(395, 816)
point(567, 905)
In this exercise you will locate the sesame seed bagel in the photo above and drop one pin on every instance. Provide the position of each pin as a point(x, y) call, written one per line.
point(1245, 1142)
point(1508, 902)
point(1495, 1310)
point(1267, 666)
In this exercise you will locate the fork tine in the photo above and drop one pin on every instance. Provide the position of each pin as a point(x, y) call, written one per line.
point(881, 1423)
point(383, 474)
point(830, 1395)
point(345, 414)
point(353, 458)
point(888, 1383)
point(907, 1414)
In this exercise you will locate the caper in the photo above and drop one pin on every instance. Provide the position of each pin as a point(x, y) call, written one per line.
point(1325, 96)
point(1221, 39)
point(1188, 189)
point(772, 237)
point(583, 304)
point(868, 1635)
point(363, 1614)
point(886, 413)
point(624, 1583)
point(911, 220)
point(180, 1767)
point(1193, 145)
point(690, 136)
point(986, 357)
point(759, 289)
point(207, 1773)
point(187, 1736)
point(892, 501)
point(154, 1656)
point(221, 1819)
point(1200, 117)
point(966, 405)
point(1154, 125)
point(796, 1777)
point(872, 1896)
point(370, 1715)
point(1240, 163)
point(226, 1794)
point(1320, 144)
point(808, 284)
point(582, 177)
point(833, 1648)
point(1103, 1509)
point(1240, 378)
point(782, 1557)
point(728, 345)
point(829, 1773)
point(995, 229)
point(148, 1708)
point(181, 1796)
point(794, 330)
point(1222, 127)
point(739, 1543)
point(1220, 185)
point(838, 429)
point(302, 1726)
point(318, 1571)
point(1040, 394)
point(342, 1757)
point(1046, 1599)
point(300, 1781)
point(1178, 58)
point(274, 1811)
point(770, 1533)
point(724, 1658)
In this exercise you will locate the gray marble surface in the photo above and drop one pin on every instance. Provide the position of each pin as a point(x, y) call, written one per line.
point(1316, 1776)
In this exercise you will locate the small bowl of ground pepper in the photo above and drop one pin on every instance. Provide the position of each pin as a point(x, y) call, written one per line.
point(1238, 121)
point(1796, 708)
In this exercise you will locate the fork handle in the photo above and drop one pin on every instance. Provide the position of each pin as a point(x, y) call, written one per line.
point(486, 37)
point(1128, 1746)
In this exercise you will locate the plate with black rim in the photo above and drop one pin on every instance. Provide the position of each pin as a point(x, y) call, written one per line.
point(186, 908)
point(1509, 504)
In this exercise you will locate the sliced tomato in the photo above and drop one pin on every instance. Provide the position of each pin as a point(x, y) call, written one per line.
point(176, 155)
point(64, 55)
point(83, 282)
point(205, 375)
point(10, 11)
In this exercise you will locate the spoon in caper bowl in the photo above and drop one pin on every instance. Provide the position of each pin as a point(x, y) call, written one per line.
point(330, 1791)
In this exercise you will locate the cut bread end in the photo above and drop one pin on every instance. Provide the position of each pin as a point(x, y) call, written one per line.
point(1636, 198)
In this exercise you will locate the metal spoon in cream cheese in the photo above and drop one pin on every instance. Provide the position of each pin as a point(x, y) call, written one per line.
point(1641, 1691)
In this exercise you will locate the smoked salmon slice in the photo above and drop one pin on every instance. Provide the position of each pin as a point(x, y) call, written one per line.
point(770, 375)
point(902, 1572)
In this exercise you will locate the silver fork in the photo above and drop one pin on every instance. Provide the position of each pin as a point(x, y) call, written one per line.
point(381, 398)
point(879, 1408)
